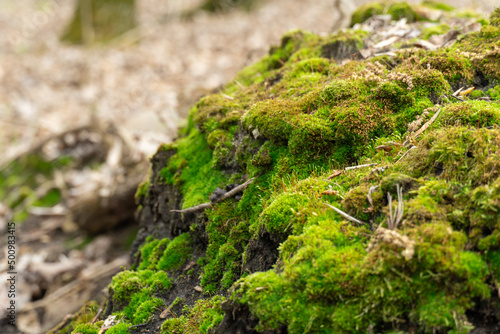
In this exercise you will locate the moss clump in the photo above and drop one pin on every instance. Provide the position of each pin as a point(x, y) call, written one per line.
point(438, 5)
point(183, 169)
point(80, 322)
point(397, 10)
point(203, 316)
point(165, 254)
point(477, 114)
point(146, 310)
point(142, 191)
point(86, 329)
point(132, 289)
point(176, 253)
point(494, 93)
point(434, 30)
point(121, 328)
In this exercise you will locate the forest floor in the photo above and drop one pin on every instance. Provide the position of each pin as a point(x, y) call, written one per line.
point(144, 83)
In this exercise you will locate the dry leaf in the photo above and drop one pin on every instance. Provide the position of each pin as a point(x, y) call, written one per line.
point(386, 148)
point(330, 192)
point(190, 264)
point(335, 174)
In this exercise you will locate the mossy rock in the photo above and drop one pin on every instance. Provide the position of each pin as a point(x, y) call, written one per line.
point(275, 258)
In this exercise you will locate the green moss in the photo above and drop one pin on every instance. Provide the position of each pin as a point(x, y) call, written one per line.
point(183, 169)
point(146, 250)
point(146, 310)
point(453, 66)
point(438, 5)
point(176, 253)
point(366, 286)
point(434, 30)
point(142, 191)
point(86, 329)
point(286, 214)
point(203, 316)
point(397, 10)
point(121, 328)
point(478, 114)
point(490, 31)
point(494, 93)
point(131, 289)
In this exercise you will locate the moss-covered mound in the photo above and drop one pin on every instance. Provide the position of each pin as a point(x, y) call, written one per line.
point(416, 245)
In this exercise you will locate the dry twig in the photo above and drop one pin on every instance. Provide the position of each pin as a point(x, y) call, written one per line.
point(230, 193)
point(404, 155)
point(345, 215)
point(369, 196)
point(360, 166)
point(395, 217)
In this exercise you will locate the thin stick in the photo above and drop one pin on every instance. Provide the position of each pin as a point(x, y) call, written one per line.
point(230, 193)
point(457, 92)
point(424, 127)
point(369, 196)
point(427, 124)
point(96, 316)
point(404, 155)
point(345, 215)
point(360, 166)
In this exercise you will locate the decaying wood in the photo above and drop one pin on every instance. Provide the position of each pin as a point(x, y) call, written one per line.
point(229, 194)
point(345, 215)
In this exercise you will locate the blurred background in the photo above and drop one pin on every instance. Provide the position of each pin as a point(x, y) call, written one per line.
point(82, 108)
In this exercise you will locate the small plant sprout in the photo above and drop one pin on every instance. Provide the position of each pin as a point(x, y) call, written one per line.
point(395, 217)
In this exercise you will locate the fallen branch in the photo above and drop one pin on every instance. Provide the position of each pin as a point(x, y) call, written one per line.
point(230, 193)
point(345, 215)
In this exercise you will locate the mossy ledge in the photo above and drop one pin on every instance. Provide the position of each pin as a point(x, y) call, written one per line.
point(275, 259)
